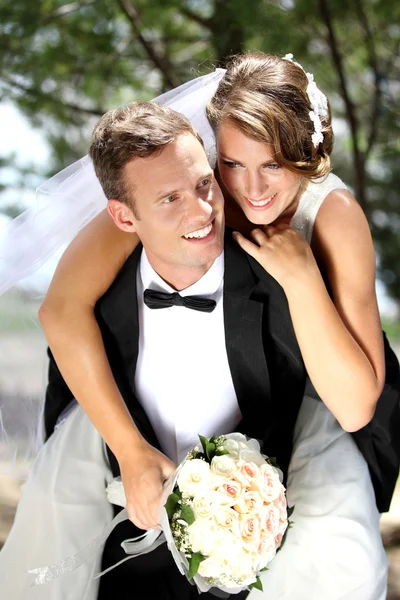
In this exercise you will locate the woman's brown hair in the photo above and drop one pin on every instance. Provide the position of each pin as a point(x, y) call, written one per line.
point(266, 98)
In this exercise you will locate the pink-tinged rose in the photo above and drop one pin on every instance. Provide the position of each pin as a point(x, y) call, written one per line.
point(268, 483)
point(281, 505)
point(251, 502)
point(249, 530)
point(247, 473)
point(232, 490)
point(283, 525)
point(265, 552)
point(278, 540)
point(270, 520)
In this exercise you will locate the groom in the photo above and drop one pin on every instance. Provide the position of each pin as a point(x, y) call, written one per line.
point(225, 360)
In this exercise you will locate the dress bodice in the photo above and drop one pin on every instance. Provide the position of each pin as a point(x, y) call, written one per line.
point(310, 202)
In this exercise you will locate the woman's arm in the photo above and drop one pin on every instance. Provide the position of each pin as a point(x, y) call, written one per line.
point(85, 271)
point(341, 341)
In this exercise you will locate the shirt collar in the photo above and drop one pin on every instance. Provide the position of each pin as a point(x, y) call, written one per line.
point(208, 285)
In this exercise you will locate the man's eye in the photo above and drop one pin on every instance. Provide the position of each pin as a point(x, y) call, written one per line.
point(205, 182)
point(169, 199)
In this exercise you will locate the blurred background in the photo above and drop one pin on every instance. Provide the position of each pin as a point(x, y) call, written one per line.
point(63, 64)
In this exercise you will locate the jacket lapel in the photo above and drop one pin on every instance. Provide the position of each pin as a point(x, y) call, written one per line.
point(243, 318)
point(117, 313)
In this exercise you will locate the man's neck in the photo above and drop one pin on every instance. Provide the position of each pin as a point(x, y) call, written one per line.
point(179, 277)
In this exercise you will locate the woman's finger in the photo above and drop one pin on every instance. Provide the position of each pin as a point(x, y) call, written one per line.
point(258, 236)
point(270, 230)
point(246, 244)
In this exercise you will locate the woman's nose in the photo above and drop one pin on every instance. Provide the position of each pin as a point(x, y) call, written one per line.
point(256, 187)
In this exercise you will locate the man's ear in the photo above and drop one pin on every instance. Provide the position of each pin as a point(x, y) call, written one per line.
point(122, 215)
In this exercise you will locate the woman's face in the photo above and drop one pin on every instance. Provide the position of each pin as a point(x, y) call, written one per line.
point(263, 189)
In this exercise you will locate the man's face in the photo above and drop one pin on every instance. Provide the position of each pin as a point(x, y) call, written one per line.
point(179, 210)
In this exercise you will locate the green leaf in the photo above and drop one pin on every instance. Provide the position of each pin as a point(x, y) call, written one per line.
point(257, 585)
point(204, 441)
point(264, 569)
point(187, 514)
point(194, 563)
point(272, 461)
point(210, 451)
point(290, 511)
point(170, 505)
point(221, 452)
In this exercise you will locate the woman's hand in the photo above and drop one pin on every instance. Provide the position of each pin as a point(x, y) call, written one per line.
point(281, 251)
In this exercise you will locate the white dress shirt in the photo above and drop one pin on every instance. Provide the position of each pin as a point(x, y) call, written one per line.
point(183, 379)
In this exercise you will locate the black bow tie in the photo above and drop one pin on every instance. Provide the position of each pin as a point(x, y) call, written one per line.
point(154, 299)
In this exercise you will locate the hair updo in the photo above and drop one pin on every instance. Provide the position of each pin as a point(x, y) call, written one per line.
point(265, 97)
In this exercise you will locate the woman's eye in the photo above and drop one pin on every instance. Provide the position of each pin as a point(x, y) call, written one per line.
point(231, 164)
point(272, 166)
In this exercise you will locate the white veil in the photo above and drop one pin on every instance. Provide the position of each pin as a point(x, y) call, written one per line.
point(64, 205)
point(70, 199)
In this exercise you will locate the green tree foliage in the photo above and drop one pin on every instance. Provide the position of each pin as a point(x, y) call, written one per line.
point(65, 63)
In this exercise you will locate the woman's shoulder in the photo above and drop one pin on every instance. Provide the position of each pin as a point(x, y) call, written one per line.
point(340, 223)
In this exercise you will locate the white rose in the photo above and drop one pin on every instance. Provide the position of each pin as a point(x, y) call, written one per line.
point(232, 447)
point(223, 466)
point(251, 455)
point(241, 567)
point(201, 536)
point(225, 544)
point(211, 540)
point(227, 518)
point(245, 449)
point(212, 567)
point(207, 502)
point(194, 475)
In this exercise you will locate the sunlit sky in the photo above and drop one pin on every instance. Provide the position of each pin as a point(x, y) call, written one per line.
point(30, 146)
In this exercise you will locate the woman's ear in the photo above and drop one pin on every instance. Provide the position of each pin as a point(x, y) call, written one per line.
point(122, 215)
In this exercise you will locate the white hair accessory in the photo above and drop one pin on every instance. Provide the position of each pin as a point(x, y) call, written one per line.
point(318, 101)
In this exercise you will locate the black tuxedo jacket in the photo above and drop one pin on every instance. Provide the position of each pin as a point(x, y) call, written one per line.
point(265, 361)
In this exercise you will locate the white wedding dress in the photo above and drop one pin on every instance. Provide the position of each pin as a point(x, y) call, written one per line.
point(333, 551)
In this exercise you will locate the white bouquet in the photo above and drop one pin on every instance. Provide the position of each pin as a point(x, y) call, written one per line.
point(224, 519)
point(227, 514)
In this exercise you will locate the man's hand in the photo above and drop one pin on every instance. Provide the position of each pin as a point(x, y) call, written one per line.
point(143, 476)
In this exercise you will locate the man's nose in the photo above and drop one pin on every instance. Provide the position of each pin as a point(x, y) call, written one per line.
point(198, 207)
